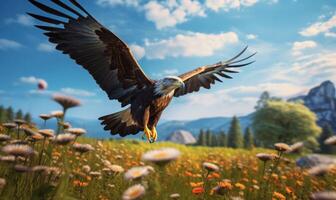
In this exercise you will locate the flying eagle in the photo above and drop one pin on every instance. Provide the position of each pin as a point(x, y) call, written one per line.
point(110, 62)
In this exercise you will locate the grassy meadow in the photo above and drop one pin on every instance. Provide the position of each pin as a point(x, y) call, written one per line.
point(55, 168)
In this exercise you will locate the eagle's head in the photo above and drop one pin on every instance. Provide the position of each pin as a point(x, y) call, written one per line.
point(167, 85)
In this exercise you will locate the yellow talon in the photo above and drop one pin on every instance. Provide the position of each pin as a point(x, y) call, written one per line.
point(154, 134)
point(148, 134)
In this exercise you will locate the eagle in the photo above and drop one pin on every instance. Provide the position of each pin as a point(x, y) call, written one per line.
point(111, 63)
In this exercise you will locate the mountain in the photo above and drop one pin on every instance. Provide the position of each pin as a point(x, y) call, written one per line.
point(215, 124)
point(322, 101)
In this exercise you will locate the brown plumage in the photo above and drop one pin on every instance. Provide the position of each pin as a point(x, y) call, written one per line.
point(110, 62)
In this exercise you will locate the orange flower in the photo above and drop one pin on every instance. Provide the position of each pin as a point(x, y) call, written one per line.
point(225, 185)
point(187, 173)
point(279, 196)
point(213, 175)
point(289, 190)
point(240, 186)
point(80, 183)
point(198, 184)
point(198, 190)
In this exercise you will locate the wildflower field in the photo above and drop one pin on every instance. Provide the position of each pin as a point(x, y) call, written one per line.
point(37, 165)
point(41, 163)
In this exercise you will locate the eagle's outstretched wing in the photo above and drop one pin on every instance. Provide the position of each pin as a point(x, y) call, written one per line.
point(107, 58)
point(207, 75)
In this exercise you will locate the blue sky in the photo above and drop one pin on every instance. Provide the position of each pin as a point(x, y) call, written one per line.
point(295, 41)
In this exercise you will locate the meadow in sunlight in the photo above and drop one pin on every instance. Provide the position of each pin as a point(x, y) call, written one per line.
point(38, 163)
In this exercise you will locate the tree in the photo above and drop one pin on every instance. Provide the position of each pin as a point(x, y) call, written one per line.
point(326, 133)
point(248, 139)
point(3, 114)
point(208, 136)
point(281, 121)
point(19, 114)
point(201, 138)
point(264, 97)
point(235, 136)
point(10, 114)
point(27, 117)
point(214, 140)
point(222, 140)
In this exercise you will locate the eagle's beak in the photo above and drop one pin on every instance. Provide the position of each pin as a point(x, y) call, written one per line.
point(182, 85)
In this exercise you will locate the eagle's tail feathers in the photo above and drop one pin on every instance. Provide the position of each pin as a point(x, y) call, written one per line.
point(121, 123)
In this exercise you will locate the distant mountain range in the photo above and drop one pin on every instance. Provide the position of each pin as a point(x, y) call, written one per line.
point(215, 124)
point(320, 99)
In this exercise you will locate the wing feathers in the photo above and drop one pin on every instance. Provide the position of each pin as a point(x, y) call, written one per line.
point(102, 53)
point(50, 10)
point(46, 19)
point(207, 75)
point(63, 5)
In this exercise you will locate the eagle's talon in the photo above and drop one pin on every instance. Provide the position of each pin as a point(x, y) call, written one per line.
point(154, 134)
point(148, 134)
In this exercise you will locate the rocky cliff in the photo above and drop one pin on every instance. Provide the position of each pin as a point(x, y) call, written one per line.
point(182, 137)
point(322, 101)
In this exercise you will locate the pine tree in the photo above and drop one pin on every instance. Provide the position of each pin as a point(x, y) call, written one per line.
point(208, 137)
point(201, 138)
point(27, 117)
point(10, 114)
point(264, 97)
point(222, 140)
point(235, 136)
point(2, 114)
point(214, 139)
point(248, 139)
point(19, 114)
point(326, 133)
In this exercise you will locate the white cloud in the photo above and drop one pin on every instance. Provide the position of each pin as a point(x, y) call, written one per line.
point(105, 3)
point(170, 71)
point(227, 5)
point(166, 72)
point(330, 34)
point(77, 92)
point(30, 79)
point(298, 47)
point(187, 45)
point(6, 44)
point(283, 90)
point(21, 19)
point(168, 14)
point(41, 92)
point(209, 104)
point(307, 71)
point(251, 36)
point(320, 27)
point(46, 47)
point(138, 51)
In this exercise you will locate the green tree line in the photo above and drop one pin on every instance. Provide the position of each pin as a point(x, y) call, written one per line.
point(8, 114)
point(234, 138)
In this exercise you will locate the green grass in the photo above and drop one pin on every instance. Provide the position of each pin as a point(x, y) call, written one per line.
point(240, 166)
